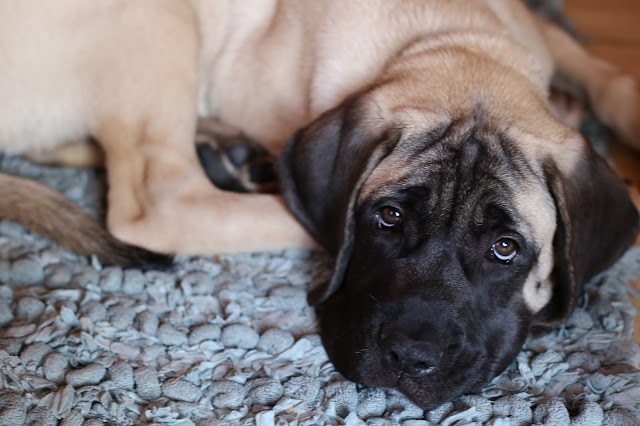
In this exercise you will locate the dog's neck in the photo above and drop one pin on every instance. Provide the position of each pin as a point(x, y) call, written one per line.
point(502, 50)
point(453, 74)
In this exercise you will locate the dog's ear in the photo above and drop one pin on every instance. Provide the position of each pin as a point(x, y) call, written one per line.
point(322, 169)
point(596, 223)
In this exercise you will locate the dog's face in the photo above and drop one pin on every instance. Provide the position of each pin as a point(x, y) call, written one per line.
point(450, 260)
point(454, 232)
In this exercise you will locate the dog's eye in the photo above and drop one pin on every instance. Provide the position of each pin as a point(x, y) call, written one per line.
point(504, 249)
point(388, 217)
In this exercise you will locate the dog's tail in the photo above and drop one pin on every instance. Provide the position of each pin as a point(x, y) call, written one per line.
point(47, 212)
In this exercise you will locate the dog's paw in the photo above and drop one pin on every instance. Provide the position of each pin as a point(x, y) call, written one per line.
point(234, 162)
point(618, 105)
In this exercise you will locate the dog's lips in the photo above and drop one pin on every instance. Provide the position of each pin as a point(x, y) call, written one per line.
point(365, 343)
point(430, 391)
point(459, 369)
point(458, 373)
point(463, 369)
point(426, 389)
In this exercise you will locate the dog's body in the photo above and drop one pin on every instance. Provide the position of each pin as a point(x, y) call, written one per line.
point(460, 210)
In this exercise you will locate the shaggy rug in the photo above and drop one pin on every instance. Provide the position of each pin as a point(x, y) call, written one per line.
point(232, 340)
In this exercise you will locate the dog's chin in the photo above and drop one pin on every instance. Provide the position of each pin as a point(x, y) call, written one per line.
point(353, 346)
point(427, 392)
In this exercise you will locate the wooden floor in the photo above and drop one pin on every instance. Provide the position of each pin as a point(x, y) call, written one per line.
point(612, 31)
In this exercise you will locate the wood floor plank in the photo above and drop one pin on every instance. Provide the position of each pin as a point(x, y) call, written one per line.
point(626, 57)
point(612, 20)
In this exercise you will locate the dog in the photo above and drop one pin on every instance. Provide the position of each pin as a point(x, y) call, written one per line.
point(425, 156)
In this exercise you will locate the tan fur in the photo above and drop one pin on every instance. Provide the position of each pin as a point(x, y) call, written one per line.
point(85, 153)
point(135, 75)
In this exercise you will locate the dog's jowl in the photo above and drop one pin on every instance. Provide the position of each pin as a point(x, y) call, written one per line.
point(430, 160)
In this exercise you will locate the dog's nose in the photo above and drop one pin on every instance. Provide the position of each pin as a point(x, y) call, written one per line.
point(417, 354)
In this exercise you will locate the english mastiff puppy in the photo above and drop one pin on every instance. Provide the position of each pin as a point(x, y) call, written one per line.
point(460, 207)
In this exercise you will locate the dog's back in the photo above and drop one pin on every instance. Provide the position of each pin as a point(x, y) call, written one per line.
point(42, 46)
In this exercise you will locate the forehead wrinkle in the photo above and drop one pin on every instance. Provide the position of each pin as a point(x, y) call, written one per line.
point(418, 157)
point(415, 144)
point(458, 186)
point(390, 169)
point(473, 200)
point(528, 200)
point(531, 199)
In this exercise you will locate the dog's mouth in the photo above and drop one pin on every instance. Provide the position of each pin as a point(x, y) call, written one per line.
point(430, 363)
point(427, 373)
point(415, 355)
point(429, 369)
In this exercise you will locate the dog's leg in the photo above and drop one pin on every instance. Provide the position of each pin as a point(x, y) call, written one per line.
point(160, 198)
point(84, 153)
point(174, 208)
point(613, 95)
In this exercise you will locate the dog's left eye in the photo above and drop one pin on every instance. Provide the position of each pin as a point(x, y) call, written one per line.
point(504, 249)
point(388, 217)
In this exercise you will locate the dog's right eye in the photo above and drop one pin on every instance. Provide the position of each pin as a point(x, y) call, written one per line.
point(505, 249)
point(388, 217)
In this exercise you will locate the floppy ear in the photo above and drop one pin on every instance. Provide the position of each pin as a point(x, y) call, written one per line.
point(322, 169)
point(596, 223)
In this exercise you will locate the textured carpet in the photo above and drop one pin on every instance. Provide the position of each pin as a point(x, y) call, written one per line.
point(232, 340)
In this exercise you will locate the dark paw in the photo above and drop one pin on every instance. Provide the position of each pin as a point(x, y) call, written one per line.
point(234, 162)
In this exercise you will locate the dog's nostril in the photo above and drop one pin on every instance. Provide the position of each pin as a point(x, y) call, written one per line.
point(422, 367)
point(422, 358)
point(409, 356)
point(396, 360)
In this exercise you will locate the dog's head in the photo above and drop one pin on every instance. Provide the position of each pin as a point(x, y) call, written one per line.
point(455, 229)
